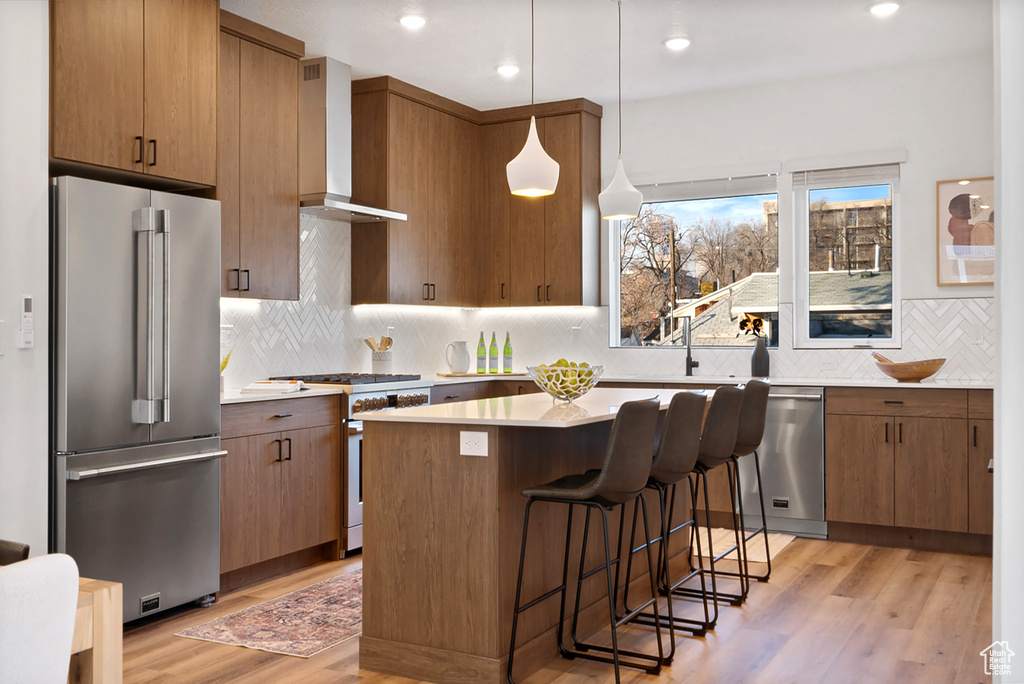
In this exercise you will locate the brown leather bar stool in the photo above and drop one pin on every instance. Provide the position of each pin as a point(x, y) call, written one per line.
point(621, 479)
point(717, 443)
point(674, 462)
point(12, 552)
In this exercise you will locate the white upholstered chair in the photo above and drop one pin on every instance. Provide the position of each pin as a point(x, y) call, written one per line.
point(38, 600)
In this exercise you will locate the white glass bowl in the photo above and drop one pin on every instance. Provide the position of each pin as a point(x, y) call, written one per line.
point(565, 382)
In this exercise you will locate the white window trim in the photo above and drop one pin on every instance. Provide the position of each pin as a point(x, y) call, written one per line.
point(801, 322)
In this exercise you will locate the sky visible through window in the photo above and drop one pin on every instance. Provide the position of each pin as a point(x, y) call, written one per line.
point(863, 192)
point(735, 209)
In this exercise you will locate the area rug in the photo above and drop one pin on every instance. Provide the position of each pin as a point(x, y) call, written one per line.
point(724, 538)
point(302, 623)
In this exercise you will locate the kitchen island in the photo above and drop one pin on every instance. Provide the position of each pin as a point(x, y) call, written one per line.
point(443, 531)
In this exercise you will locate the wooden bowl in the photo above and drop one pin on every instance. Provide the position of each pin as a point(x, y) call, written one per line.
point(912, 371)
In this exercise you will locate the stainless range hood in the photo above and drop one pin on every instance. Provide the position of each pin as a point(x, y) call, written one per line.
point(325, 145)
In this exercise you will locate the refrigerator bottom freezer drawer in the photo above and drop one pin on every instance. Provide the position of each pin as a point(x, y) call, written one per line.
point(155, 530)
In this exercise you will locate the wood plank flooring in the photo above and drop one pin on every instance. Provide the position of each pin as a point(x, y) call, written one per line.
point(832, 612)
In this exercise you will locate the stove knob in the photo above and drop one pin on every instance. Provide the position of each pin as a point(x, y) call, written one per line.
point(357, 406)
point(379, 403)
point(401, 401)
point(424, 398)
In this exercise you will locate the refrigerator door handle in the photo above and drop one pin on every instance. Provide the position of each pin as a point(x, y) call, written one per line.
point(156, 463)
point(165, 214)
point(143, 406)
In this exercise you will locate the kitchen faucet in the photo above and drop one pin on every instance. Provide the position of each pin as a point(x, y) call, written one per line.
point(691, 363)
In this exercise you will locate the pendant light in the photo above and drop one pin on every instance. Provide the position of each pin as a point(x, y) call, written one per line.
point(532, 173)
point(620, 200)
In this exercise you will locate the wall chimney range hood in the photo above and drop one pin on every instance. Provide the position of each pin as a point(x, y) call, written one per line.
point(325, 145)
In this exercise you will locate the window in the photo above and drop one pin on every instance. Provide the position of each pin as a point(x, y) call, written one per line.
point(704, 254)
point(846, 286)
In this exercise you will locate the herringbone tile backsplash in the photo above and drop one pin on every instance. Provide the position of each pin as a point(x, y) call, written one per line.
point(323, 332)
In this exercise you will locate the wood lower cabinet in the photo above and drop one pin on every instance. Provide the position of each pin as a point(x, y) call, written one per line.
point(980, 453)
point(897, 457)
point(134, 86)
point(258, 162)
point(280, 490)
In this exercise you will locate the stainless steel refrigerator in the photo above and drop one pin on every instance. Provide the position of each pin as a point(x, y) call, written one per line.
point(135, 390)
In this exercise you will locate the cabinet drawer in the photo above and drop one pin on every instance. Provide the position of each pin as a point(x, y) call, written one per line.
point(979, 404)
point(925, 403)
point(463, 391)
point(259, 417)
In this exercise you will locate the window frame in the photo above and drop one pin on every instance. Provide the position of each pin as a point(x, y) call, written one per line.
point(765, 182)
point(803, 183)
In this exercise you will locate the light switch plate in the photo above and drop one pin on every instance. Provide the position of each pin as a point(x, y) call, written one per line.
point(472, 443)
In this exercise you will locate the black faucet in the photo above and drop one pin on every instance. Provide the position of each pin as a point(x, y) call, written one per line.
point(691, 362)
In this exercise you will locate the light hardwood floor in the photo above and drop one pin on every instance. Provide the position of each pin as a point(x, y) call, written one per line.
point(832, 612)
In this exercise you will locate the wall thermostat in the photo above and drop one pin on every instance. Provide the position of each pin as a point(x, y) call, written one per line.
point(26, 339)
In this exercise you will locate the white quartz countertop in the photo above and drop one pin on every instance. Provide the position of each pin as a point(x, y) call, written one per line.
point(235, 396)
point(524, 410)
point(880, 381)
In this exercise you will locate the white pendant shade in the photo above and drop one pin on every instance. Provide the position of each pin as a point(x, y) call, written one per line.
point(620, 200)
point(532, 173)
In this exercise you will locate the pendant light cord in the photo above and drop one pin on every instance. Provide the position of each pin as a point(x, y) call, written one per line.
point(532, 58)
point(620, 78)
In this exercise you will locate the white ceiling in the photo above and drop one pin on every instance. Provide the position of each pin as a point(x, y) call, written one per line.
point(735, 42)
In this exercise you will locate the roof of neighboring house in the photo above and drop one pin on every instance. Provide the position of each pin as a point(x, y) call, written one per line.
point(718, 325)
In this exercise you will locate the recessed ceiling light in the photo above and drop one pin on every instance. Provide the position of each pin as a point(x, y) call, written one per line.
point(413, 21)
point(677, 43)
point(508, 70)
point(884, 9)
point(975, 196)
point(985, 206)
point(963, 182)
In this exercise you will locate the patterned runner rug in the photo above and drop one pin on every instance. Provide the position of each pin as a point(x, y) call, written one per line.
point(302, 623)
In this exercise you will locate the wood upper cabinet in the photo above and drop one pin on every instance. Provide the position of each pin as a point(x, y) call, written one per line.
point(258, 133)
point(417, 159)
point(468, 241)
point(897, 457)
point(134, 86)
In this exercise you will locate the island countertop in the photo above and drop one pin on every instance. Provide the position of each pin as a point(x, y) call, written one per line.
point(525, 410)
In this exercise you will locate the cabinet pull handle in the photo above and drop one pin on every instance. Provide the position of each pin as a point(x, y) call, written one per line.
point(433, 291)
point(548, 292)
point(139, 140)
point(426, 292)
point(278, 459)
point(502, 291)
point(890, 401)
point(289, 440)
point(152, 146)
point(975, 435)
point(901, 433)
point(238, 279)
point(451, 396)
point(886, 433)
point(246, 288)
point(538, 293)
point(282, 415)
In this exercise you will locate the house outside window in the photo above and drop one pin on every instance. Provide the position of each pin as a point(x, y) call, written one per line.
point(846, 284)
point(701, 256)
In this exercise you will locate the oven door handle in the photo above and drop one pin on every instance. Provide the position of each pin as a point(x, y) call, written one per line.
point(353, 431)
point(145, 465)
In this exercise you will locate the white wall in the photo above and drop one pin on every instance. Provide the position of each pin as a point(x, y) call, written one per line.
point(1008, 553)
point(940, 112)
point(24, 67)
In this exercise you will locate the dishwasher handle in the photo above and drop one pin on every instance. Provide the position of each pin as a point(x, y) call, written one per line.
point(807, 397)
point(145, 465)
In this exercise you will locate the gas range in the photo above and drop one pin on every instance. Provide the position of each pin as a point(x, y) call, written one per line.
point(371, 391)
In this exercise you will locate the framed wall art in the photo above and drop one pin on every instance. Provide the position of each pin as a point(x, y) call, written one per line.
point(966, 231)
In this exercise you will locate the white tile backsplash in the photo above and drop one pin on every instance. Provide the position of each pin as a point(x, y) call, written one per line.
point(323, 332)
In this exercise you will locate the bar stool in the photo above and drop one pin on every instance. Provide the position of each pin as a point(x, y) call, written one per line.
point(748, 439)
point(674, 462)
point(717, 443)
point(621, 479)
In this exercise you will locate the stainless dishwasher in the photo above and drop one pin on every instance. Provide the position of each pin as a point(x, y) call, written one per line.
point(792, 465)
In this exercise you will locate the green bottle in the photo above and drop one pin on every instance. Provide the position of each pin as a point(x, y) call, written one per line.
point(492, 356)
point(506, 355)
point(481, 355)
